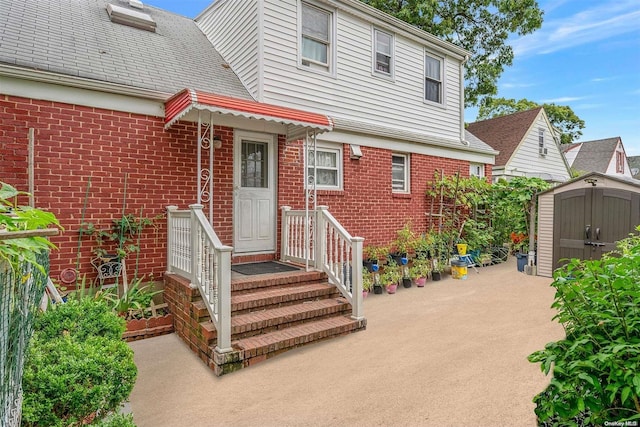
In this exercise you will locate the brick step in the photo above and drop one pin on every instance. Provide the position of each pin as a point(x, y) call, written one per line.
point(265, 321)
point(280, 296)
point(261, 347)
point(249, 283)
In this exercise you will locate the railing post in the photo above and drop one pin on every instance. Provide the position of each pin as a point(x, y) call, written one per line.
point(195, 246)
point(356, 259)
point(284, 234)
point(320, 241)
point(170, 236)
point(224, 301)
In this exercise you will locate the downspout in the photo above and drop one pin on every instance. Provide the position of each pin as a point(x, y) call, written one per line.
point(466, 58)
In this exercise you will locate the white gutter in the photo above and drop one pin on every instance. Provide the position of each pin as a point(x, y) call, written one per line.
point(81, 83)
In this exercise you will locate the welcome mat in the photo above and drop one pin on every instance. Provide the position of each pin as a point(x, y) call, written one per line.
point(262, 268)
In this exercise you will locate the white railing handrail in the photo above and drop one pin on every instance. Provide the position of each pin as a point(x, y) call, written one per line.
point(194, 249)
point(333, 251)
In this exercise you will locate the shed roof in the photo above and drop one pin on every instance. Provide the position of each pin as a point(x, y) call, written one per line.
point(504, 133)
point(76, 38)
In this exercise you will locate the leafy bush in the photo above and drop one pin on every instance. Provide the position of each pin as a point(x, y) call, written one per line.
point(596, 369)
point(80, 319)
point(78, 368)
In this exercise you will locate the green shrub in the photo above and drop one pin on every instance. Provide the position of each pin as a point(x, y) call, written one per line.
point(596, 369)
point(77, 366)
point(116, 420)
point(80, 319)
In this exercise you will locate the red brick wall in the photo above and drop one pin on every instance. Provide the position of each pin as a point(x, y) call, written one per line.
point(74, 144)
point(367, 207)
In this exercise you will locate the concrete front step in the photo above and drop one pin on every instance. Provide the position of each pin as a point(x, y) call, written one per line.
point(261, 347)
point(280, 296)
point(264, 321)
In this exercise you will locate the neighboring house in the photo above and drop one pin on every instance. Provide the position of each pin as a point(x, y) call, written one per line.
point(605, 156)
point(102, 85)
point(527, 144)
point(634, 165)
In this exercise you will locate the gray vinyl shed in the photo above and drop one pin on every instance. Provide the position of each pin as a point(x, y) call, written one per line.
point(585, 217)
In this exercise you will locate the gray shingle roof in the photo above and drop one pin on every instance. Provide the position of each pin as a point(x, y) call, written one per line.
point(634, 164)
point(595, 156)
point(76, 38)
point(504, 133)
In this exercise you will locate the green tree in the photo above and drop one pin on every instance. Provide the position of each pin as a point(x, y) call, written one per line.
point(561, 117)
point(480, 26)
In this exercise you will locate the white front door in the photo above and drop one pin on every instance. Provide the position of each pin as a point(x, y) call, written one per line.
point(254, 219)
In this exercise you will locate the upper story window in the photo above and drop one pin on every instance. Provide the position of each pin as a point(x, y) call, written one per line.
point(541, 148)
point(316, 44)
point(382, 53)
point(400, 173)
point(619, 162)
point(432, 78)
point(476, 169)
point(328, 166)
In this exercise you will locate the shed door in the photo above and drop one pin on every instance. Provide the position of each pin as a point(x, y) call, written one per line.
point(588, 222)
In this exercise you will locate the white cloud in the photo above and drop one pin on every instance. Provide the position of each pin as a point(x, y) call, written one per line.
point(602, 79)
point(562, 99)
point(601, 21)
point(515, 85)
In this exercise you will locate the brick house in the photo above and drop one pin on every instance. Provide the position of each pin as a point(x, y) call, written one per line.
point(124, 107)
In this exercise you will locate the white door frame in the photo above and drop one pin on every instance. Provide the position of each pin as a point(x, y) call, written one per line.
point(264, 244)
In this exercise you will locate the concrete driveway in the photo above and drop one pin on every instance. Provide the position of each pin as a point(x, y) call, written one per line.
point(453, 353)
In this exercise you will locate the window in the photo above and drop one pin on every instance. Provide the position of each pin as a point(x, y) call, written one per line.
point(328, 161)
point(382, 52)
point(316, 37)
point(432, 79)
point(619, 161)
point(400, 173)
point(476, 169)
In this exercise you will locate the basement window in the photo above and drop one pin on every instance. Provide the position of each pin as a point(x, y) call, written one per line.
point(131, 18)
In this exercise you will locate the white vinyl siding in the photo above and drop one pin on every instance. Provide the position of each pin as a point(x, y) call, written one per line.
point(233, 31)
point(400, 173)
point(328, 170)
point(527, 160)
point(433, 80)
point(382, 53)
point(352, 91)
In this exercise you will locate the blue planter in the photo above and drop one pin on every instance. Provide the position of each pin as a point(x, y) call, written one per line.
point(522, 261)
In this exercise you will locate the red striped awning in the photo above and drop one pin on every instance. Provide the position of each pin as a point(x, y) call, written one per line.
point(296, 120)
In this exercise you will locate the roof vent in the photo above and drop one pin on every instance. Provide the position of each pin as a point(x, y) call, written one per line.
point(131, 18)
point(136, 3)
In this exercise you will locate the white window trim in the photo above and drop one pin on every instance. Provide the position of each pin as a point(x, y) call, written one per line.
point(324, 146)
point(443, 82)
point(480, 166)
point(374, 45)
point(407, 173)
point(332, 51)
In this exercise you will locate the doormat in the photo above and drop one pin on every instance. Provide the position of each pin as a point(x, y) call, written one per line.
point(262, 268)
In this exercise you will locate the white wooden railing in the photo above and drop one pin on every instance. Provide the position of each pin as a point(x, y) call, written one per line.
point(317, 239)
point(194, 251)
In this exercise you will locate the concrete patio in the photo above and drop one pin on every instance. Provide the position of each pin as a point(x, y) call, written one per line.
point(453, 353)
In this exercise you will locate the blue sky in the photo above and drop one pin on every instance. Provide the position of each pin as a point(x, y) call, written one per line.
point(586, 56)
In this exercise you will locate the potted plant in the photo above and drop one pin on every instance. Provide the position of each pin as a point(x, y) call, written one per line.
point(404, 244)
point(519, 245)
point(374, 255)
point(424, 245)
point(367, 283)
point(420, 270)
point(114, 243)
point(391, 277)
